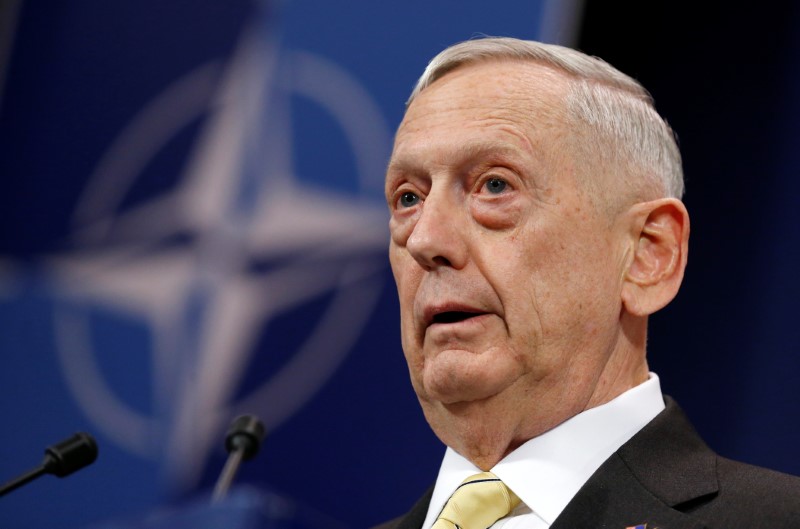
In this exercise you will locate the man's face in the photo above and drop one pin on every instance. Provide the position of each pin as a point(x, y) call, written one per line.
point(508, 276)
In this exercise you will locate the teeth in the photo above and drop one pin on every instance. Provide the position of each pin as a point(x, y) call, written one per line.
point(452, 316)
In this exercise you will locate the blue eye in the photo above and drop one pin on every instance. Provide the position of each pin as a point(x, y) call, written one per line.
point(408, 200)
point(496, 185)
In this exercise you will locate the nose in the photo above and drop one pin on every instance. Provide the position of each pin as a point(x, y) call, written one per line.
point(437, 239)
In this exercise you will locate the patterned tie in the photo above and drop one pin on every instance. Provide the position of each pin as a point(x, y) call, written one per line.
point(477, 503)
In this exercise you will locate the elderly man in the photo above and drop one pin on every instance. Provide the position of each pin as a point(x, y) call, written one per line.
point(536, 223)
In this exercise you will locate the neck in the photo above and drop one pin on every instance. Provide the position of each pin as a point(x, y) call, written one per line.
point(486, 431)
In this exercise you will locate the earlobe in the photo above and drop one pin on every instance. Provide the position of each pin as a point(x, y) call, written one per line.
point(660, 244)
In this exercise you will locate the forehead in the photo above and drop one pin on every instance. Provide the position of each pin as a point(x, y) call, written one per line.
point(507, 105)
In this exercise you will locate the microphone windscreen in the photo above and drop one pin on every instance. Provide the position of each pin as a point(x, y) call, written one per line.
point(246, 433)
point(64, 458)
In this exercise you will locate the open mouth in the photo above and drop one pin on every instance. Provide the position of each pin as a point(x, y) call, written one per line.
point(454, 316)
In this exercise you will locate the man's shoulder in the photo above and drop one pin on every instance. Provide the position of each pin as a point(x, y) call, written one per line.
point(768, 497)
point(670, 459)
point(751, 478)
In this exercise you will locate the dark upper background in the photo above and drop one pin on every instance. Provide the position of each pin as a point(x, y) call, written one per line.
point(727, 78)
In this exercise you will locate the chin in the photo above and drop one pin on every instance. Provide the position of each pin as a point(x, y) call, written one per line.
point(468, 374)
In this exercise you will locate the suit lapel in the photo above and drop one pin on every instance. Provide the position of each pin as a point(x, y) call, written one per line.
point(614, 499)
point(671, 460)
point(662, 468)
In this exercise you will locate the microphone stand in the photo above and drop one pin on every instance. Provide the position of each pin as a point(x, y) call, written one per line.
point(61, 459)
point(22, 479)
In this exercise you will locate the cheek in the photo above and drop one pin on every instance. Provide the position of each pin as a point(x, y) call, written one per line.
point(576, 286)
point(395, 259)
point(401, 225)
point(407, 276)
point(405, 272)
point(541, 278)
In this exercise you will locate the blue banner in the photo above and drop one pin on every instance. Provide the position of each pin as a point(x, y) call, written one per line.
point(194, 228)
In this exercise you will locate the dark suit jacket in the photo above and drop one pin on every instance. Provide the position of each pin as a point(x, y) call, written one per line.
point(666, 477)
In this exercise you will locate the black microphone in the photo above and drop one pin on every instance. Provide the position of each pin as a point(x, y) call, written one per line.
point(61, 459)
point(242, 443)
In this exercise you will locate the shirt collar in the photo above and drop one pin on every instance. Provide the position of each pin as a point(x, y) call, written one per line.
point(547, 471)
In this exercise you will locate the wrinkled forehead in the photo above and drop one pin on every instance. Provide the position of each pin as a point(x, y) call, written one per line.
point(509, 105)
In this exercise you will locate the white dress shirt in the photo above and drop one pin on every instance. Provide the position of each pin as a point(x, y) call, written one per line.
point(547, 471)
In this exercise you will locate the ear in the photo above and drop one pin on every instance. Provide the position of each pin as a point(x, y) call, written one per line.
point(660, 240)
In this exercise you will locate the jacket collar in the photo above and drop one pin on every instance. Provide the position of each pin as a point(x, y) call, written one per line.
point(662, 467)
point(670, 459)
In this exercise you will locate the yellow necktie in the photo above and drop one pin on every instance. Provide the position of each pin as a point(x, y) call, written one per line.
point(477, 503)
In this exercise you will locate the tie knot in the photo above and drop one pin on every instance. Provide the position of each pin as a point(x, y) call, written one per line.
point(477, 503)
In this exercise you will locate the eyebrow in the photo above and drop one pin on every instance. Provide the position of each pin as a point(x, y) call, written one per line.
point(465, 154)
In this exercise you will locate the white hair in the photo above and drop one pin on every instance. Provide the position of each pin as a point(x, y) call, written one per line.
point(620, 111)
